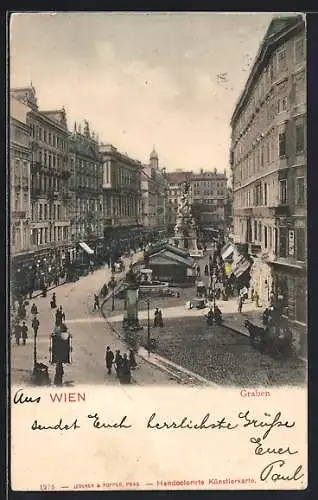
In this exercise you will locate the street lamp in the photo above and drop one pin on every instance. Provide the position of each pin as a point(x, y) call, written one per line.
point(35, 351)
point(213, 282)
point(113, 299)
point(148, 327)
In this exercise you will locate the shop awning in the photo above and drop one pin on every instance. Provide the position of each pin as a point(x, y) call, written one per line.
point(227, 250)
point(240, 266)
point(86, 248)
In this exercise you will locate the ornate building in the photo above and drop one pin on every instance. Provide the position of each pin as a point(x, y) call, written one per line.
point(20, 183)
point(49, 227)
point(154, 189)
point(86, 208)
point(121, 192)
point(268, 161)
point(209, 198)
point(176, 182)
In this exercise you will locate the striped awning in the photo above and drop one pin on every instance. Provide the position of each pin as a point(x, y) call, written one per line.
point(240, 266)
point(86, 248)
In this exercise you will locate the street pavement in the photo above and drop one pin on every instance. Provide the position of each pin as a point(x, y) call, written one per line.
point(90, 336)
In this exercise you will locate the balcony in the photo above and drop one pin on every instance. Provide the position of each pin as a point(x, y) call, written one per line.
point(52, 194)
point(36, 192)
point(36, 166)
point(65, 174)
point(18, 214)
point(282, 211)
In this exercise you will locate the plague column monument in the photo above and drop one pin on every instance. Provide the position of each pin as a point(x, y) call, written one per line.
point(185, 229)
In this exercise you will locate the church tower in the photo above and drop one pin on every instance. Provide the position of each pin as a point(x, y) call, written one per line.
point(154, 158)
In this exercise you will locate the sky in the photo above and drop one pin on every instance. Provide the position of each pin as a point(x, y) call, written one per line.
point(141, 79)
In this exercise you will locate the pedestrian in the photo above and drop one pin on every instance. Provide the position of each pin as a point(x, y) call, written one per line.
point(132, 359)
point(34, 309)
point(17, 333)
point(62, 314)
point(118, 362)
point(160, 320)
point(59, 372)
point(198, 271)
point(96, 302)
point(256, 298)
point(109, 358)
point(156, 318)
point(24, 331)
point(240, 304)
point(125, 373)
point(44, 290)
point(53, 301)
point(59, 316)
point(35, 325)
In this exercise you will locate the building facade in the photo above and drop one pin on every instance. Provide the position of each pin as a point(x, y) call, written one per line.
point(121, 190)
point(20, 182)
point(50, 224)
point(268, 161)
point(154, 189)
point(86, 190)
point(175, 182)
point(209, 198)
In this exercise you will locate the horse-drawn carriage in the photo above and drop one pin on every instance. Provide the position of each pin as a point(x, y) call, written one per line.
point(275, 338)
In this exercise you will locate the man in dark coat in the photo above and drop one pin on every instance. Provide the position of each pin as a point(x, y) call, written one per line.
point(17, 333)
point(24, 331)
point(35, 325)
point(109, 358)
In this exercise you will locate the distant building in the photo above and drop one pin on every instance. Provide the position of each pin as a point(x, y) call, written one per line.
point(154, 192)
point(176, 181)
point(209, 199)
point(268, 161)
point(121, 191)
point(86, 208)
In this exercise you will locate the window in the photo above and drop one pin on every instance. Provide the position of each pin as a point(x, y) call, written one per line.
point(300, 138)
point(282, 144)
point(262, 157)
point(40, 211)
point(265, 236)
point(300, 190)
point(282, 104)
point(45, 211)
point(299, 88)
point(282, 61)
point(282, 241)
point(300, 243)
point(299, 50)
point(260, 231)
point(283, 191)
point(301, 302)
point(265, 194)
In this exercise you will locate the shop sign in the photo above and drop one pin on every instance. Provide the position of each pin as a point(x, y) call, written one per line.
point(291, 242)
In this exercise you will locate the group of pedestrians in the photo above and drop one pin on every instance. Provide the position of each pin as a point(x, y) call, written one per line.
point(20, 329)
point(123, 364)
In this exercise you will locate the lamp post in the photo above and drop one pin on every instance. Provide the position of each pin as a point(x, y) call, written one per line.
point(35, 350)
point(214, 278)
point(113, 300)
point(148, 327)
